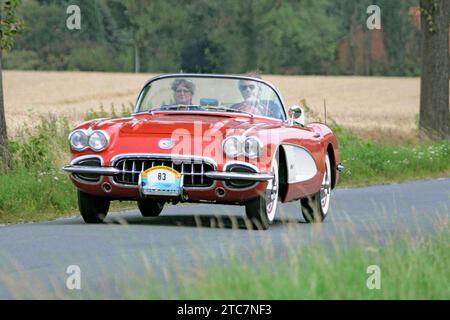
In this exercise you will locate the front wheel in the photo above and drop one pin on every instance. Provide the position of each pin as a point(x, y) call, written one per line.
point(93, 209)
point(150, 208)
point(261, 210)
point(315, 207)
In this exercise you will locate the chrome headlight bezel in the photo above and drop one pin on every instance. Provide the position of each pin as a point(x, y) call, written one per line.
point(257, 147)
point(103, 135)
point(242, 146)
point(228, 143)
point(88, 140)
point(81, 132)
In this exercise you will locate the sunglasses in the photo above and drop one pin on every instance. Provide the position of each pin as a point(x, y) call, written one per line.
point(245, 87)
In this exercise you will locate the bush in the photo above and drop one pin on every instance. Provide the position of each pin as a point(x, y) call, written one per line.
point(21, 60)
point(93, 58)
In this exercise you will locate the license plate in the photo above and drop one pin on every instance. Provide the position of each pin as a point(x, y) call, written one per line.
point(160, 180)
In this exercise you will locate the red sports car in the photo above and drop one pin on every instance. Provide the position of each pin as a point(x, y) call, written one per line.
point(206, 138)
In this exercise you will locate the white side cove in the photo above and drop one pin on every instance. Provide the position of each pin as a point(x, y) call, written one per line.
point(300, 164)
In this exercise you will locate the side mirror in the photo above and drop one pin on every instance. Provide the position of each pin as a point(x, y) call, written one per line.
point(297, 115)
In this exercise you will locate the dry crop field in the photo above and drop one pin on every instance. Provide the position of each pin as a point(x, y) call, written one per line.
point(374, 107)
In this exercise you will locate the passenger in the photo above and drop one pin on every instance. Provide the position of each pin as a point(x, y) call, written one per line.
point(183, 90)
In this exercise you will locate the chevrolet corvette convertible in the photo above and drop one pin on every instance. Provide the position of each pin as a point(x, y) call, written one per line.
point(199, 138)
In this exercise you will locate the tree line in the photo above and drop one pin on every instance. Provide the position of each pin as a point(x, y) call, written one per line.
point(228, 36)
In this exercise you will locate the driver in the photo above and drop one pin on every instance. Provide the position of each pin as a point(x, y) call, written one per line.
point(251, 92)
point(183, 90)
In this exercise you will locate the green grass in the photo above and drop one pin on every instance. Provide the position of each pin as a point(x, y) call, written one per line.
point(37, 189)
point(409, 270)
point(379, 163)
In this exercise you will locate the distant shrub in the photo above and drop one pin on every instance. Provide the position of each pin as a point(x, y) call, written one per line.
point(94, 58)
point(21, 60)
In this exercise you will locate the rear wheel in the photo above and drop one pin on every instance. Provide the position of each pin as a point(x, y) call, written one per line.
point(150, 208)
point(93, 209)
point(262, 210)
point(315, 207)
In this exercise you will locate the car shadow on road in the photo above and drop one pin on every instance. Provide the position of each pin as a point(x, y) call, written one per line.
point(199, 221)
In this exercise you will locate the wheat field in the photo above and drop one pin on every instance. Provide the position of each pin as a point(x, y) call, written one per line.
point(374, 107)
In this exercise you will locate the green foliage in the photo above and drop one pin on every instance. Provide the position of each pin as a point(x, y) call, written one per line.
point(278, 37)
point(410, 269)
point(427, 11)
point(41, 148)
point(37, 189)
point(21, 60)
point(380, 162)
point(92, 58)
point(94, 47)
point(10, 22)
point(402, 43)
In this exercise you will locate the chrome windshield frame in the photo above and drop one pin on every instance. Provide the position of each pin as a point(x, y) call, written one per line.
point(216, 76)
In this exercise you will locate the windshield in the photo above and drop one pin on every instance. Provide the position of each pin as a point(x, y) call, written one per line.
point(211, 94)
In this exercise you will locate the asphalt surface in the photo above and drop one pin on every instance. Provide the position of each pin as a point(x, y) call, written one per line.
point(118, 259)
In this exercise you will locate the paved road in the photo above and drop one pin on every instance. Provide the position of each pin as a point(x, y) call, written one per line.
point(114, 257)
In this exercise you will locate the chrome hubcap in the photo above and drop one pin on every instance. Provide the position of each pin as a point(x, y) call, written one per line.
point(325, 190)
point(272, 193)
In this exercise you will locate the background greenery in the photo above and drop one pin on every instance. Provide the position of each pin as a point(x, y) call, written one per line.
point(233, 36)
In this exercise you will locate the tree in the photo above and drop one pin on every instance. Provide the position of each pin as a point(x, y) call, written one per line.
point(10, 24)
point(434, 120)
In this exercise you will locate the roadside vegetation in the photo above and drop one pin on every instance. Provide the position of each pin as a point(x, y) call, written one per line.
point(37, 189)
point(368, 162)
point(409, 269)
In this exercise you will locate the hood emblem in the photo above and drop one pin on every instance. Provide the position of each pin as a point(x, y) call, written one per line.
point(166, 143)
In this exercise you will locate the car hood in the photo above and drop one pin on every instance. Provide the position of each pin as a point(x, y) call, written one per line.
point(191, 124)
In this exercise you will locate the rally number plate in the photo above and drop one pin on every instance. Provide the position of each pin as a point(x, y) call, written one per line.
point(160, 180)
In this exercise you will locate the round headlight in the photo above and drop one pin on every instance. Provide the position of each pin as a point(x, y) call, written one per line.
point(98, 140)
point(78, 140)
point(232, 146)
point(253, 147)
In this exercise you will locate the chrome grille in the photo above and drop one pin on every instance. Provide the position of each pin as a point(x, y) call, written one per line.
point(192, 171)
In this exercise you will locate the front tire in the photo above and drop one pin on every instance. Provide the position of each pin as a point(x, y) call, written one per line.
point(93, 209)
point(150, 208)
point(315, 207)
point(262, 210)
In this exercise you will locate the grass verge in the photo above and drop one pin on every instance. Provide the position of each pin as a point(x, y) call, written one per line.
point(37, 189)
point(408, 270)
point(369, 163)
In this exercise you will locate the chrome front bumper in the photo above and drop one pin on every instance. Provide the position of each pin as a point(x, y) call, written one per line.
point(215, 175)
point(104, 171)
point(220, 175)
